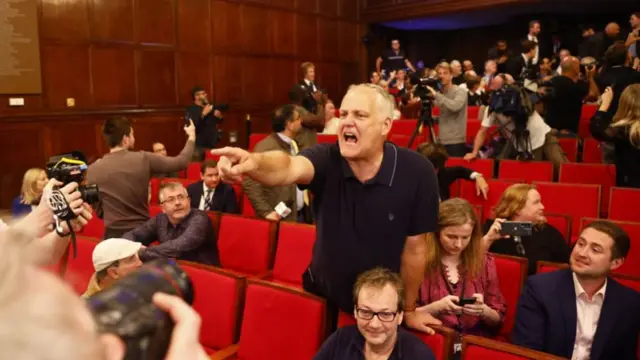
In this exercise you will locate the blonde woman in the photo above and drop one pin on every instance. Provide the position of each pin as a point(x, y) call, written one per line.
point(33, 183)
point(623, 130)
point(522, 202)
point(459, 270)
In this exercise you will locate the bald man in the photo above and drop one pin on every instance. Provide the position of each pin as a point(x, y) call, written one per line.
point(564, 101)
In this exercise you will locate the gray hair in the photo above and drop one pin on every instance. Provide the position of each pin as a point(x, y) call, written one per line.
point(170, 186)
point(384, 101)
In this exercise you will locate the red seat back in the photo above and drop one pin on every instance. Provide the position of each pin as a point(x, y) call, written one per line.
point(512, 271)
point(193, 171)
point(327, 139)
point(597, 174)
point(441, 343)
point(247, 208)
point(527, 171)
point(154, 210)
point(403, 127)
point(623, 204)
point(184, 182)
point(575, 200)
point(585, 118)
point(562, 223)
point(220, 309)
point(209, 156)
point(591, 151)
point(94, 228)
point(403, 140)
point(435, 111)
point(80, 269)
point(154, 187)
point(476, 347)
point(570, 148)
point(473, 126)
point(483, 166)
point(246, 245)
point(631, 265)
point(632, 282)
point(280, 323)
point(254, 139)
point(547, 266)
point(293, 255)
point(472, 112)
point(496, 188)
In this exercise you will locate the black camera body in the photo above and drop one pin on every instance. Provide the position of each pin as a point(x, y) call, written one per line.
point(72, 167)
point(126, 309)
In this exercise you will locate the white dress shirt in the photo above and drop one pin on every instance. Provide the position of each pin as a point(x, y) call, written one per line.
point(588, 315)
point(299, 193)
point(313, 86)
point(535, 40)
point(203, 198)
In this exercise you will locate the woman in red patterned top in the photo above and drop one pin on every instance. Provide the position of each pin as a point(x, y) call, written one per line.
point(459, 268)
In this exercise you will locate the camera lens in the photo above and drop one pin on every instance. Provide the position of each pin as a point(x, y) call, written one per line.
point(90, 193)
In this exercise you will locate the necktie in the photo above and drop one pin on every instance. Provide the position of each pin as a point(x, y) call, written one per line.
point(207, 200)
point(305, 193)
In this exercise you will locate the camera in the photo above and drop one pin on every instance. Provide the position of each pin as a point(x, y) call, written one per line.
point(517, 228)
point(72, 167)
point(126, 310)
point(421, 90)
point(221, 107)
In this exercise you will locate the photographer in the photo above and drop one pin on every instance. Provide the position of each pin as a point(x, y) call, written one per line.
point(565, 95)
point(617, 73)
point(452, 101)
point(206, 118)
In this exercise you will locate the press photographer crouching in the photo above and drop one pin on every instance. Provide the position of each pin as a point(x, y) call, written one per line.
point(42, 318)
point(526, 135)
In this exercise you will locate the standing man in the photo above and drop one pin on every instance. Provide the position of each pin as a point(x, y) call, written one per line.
point(452, 101)
point(123, 176)
point(392, 60)
point(206, 119)
point(375, 203)
point(534, 31)
point(312, 94)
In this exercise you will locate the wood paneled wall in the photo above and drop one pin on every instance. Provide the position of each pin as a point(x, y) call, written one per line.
point(140, 58)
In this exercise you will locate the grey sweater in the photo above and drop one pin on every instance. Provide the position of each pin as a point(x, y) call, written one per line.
point(453, 115)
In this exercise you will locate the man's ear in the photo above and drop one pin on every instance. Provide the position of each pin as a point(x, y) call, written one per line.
point(112, 272)
point(386, 126)
point(113, 346)
point(616, 263)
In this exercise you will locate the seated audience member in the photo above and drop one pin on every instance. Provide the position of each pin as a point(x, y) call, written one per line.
point(331, 122)
point(581, 312)
point(183, 233)
point(112, 259)
point(375, 78)
point(459, 268)
point(522, 202)
point(437, 155)
point(265, 200)
point(457, 76)
point(379, 303)
point(160, 149)
point(623, 130)
point(123, 176)
point(209, 194)
point(467, 65)
point(33, 183)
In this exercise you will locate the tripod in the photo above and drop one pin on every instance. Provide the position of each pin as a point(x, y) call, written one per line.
point(425, 119)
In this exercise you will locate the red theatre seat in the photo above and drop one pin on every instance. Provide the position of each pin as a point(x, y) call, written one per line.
point(94, 228)
point(496, 188)
point(80, 269)
point(193, 171)
point(562, 223)
point(527, 171)
point(247, 208)
point(597, 174)
point(209, 156)
point(575, 200)
point(483, 166)
point(220, 310)
point(293, 255)
point(591, 151)
point(403, 127)
point(154, 187)
point(476, 348)
point(327, 139)
point(585, 118)
point(184, 182)
point(403, 140)
point(570, 148)
point(623, 204)
point(278, 323)
point(154, 210)
point(472, 112)
point(246, 245)
point(512, 272)
point(631, 265)
point(254, 139)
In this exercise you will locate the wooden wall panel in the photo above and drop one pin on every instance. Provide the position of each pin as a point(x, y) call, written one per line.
point(112, 20)
point(140, 58)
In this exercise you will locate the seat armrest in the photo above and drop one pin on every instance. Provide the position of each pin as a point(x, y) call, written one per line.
point(226, 353)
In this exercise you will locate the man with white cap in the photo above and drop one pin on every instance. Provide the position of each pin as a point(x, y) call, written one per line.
point(112, 260)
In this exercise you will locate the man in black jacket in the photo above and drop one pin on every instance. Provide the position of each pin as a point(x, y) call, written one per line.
point(210, 194)
point(206, 118)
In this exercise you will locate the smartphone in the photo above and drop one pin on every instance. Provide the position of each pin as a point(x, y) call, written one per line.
point(187, 119)
point(517, 228)
point(467, 301)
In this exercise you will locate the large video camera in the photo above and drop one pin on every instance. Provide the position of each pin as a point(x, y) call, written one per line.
point(514, 102)
point(72, 167)
point(421, 90)
point(126, 309)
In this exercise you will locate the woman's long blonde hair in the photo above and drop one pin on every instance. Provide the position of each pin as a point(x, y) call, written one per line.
point(29, 191)
point(456, 212)
point(512, 200)
point(628, 114)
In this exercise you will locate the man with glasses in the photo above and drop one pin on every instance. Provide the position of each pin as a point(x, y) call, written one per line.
point(378, 297)
point(183, 233)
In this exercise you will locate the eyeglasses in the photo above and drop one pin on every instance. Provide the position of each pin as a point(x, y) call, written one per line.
point(173, 199)
point(384, 316)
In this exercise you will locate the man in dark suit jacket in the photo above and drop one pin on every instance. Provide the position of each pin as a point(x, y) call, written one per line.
point(210, 194)
point(581, 313)
point(523, 64)
point(268, 201)
point(312, 93)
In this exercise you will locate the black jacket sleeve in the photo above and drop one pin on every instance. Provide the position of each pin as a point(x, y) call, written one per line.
point(600, 128)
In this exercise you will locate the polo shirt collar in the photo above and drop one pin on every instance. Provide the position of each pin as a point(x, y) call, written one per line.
point(387, 170)
point(358, 342)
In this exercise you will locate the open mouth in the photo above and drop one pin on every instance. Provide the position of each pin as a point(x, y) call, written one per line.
point(350, 138)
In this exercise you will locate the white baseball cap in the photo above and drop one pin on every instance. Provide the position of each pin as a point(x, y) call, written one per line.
point(111, 250)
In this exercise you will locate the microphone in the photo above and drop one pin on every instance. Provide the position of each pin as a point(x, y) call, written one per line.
point(205, 102)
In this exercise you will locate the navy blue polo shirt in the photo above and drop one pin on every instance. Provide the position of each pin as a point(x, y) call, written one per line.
point(393, 61)
point(360, 226)
point(348, 344)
